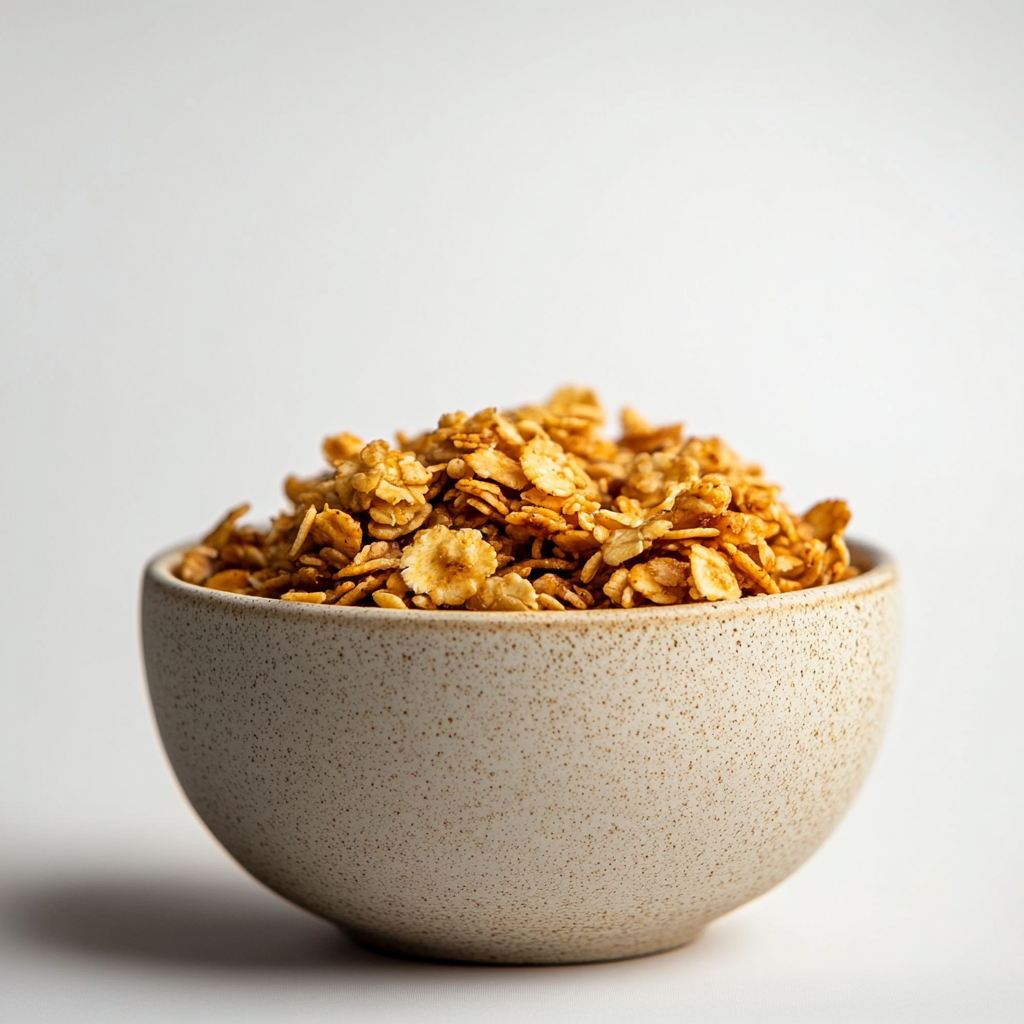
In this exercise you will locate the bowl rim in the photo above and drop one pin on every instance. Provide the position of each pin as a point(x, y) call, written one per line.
point(879, 572)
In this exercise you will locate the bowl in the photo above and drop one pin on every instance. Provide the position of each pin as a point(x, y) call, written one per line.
point(522, 787)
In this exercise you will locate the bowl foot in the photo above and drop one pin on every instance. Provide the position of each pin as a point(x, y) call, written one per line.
point(486, 957)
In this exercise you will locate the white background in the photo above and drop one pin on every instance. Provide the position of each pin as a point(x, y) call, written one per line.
point(227, 229)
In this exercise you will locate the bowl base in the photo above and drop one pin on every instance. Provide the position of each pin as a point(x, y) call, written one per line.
point(408, 951)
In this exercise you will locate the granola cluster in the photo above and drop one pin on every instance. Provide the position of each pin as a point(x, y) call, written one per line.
point(528, 510)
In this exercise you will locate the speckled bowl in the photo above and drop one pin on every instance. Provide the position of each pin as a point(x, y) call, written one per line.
point(522, 788)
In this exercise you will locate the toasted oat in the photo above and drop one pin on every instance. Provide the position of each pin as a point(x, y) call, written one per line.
point(448, 566)
point(509, 593)
point(221, 533)
point(547, 466)
point(304, 527)
point(230, 580)
point(335, 529)
point(367, 585)
point(528, 510)
point(828, 519)
point(712, 576)
point(742, 561)
point(622, 545)
point(495, 465)
point(342, 448)
point(197, 564)
point(304, 597)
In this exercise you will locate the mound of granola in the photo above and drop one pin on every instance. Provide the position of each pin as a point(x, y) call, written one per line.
point(528, 510)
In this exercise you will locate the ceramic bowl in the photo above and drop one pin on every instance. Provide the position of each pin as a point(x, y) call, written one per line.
point(516, 787)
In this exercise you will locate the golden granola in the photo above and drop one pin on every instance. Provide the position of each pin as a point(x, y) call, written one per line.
point(528, 510)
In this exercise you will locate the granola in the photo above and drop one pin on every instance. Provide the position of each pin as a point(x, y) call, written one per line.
point(528, 510)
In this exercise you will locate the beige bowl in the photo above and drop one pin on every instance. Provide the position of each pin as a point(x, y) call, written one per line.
point(522, 788)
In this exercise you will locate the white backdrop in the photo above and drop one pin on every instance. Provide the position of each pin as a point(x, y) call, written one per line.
point(227, 229)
